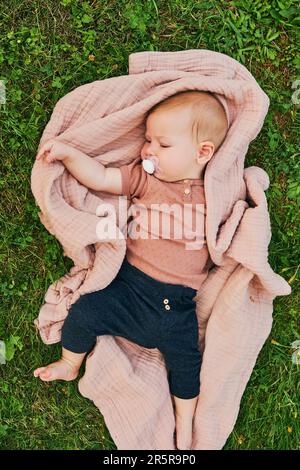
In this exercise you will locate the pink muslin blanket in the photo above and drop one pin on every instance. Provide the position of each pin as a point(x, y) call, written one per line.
point(105, 119)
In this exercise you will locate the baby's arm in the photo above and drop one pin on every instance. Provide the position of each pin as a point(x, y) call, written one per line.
point(93, 174)
point(85, 169)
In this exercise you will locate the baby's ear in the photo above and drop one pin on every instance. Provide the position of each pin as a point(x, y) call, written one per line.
point(206, 149)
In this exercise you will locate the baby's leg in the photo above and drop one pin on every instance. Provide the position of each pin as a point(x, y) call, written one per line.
point(66, 368)
point(108, 311)
point(77, 340)
point(184, 363)
point(90, 316)
point(184, 413)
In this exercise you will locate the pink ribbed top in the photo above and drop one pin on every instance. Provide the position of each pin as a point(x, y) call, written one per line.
point(165, 232)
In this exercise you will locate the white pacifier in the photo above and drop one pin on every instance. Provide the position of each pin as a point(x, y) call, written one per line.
point(150, 164)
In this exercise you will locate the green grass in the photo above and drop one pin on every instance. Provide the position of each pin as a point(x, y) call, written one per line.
point(46, 49)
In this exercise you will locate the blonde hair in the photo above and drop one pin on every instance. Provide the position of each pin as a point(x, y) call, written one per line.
point(208, 118)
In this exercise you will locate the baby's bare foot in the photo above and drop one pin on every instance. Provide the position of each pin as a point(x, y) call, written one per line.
point(59, 370)
point(184, 427)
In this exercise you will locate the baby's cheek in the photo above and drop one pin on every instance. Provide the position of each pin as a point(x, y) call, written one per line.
point(175, 163)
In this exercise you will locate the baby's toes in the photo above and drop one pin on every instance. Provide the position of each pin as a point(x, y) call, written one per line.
point(45, 374)
point(37, 372)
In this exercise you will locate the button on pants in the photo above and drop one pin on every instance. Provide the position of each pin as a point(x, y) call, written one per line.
point(148, 312)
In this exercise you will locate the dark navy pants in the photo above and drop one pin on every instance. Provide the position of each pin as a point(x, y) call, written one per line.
point(148, 312)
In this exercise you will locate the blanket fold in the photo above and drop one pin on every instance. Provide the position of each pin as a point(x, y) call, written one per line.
point(105, 119)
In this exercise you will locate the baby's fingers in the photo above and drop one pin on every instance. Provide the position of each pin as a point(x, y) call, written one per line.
point(45, 150)
point(41, 153)
point(50, 158)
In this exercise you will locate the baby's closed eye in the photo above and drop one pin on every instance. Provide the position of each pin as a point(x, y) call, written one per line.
point(161, 145)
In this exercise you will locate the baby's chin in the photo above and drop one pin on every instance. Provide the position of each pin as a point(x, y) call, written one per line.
point(160, 175)
point(165, 178)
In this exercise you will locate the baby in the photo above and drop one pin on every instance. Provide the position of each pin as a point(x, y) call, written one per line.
point(151, 300)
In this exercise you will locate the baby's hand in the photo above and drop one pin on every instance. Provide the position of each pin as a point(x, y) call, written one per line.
point(53, 150)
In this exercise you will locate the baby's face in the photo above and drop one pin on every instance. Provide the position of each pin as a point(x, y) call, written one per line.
point(168, 137)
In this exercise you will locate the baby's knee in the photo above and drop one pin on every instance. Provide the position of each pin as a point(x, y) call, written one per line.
point(78, 311)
